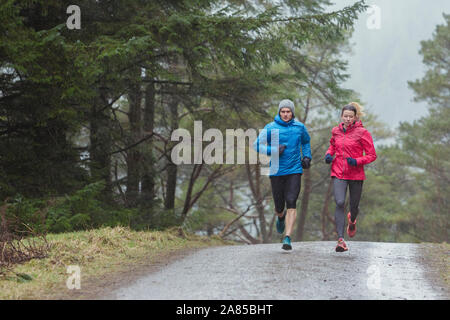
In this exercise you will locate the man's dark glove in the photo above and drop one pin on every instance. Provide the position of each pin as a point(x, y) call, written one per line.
point(328, 158)
point(281, 148)
point(351, 162)
point(306, 163)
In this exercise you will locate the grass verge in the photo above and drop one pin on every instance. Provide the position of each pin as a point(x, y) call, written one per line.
point(105, 256)
point(437, 258)
point(442, 254)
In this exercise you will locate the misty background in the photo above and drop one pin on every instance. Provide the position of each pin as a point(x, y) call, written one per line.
point(384, 60)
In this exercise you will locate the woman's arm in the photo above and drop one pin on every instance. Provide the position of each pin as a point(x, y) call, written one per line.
point(369, 149)
point(331, 149)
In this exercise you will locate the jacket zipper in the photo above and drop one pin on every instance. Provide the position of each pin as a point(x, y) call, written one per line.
point(343, 156)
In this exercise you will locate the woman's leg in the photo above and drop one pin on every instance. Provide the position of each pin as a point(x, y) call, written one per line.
point(340, 191)
point(355, 188)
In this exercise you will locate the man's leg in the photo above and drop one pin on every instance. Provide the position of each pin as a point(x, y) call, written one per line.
point(291, 215)
point(293, 185)
point(277, 184)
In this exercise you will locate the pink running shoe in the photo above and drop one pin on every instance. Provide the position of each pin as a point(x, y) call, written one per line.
point(341, 246)
point(351, 227)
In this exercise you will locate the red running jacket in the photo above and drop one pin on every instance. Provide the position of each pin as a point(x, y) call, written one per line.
point(351, 143)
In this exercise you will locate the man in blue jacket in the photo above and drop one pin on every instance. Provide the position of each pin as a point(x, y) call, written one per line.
point(286, 141)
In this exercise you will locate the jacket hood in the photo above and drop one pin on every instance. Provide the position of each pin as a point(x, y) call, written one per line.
point(281, 122)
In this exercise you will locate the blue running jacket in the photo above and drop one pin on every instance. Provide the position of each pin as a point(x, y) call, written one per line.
point(294, 136)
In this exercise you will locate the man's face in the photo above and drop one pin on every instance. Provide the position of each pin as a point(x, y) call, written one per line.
point(285, 114)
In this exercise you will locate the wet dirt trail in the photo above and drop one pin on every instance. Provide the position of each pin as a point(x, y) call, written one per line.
point(312, 270)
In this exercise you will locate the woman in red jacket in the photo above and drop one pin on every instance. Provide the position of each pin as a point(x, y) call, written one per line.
point(348, 142)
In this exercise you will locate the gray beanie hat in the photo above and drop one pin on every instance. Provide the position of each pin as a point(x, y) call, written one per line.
point(286, 103)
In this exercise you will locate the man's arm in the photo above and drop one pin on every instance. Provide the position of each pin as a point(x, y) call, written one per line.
point(305, 142)
point(262, 144)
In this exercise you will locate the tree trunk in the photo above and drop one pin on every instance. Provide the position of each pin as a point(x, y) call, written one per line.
point(173, 101)
point(148, 180)
point(247, 235)
point(187, 201)
point(304, 205)
point(100, 147)
point(325, 211)
point(172, 168)
point(134, 154)
point(260, 205)
point(254, 182)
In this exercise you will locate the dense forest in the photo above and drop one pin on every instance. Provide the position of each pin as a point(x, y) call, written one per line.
point(87, 115)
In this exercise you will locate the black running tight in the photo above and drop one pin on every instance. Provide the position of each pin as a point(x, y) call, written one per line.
point(285, 190)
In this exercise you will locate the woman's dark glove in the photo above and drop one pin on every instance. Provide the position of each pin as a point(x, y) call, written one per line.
point(306, 163)
point(281, 148)
point(352, 162)
point(328, 158)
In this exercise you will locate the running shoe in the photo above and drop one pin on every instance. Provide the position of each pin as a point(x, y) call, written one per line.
point(351, 226)
point(287, 243)
point(281, 224)
point(341, 246)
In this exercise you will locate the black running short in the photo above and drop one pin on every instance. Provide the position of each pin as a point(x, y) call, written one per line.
point(285, 190)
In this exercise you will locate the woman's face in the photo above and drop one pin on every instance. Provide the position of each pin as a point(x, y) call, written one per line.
point(348, 117)
point(285, 114)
